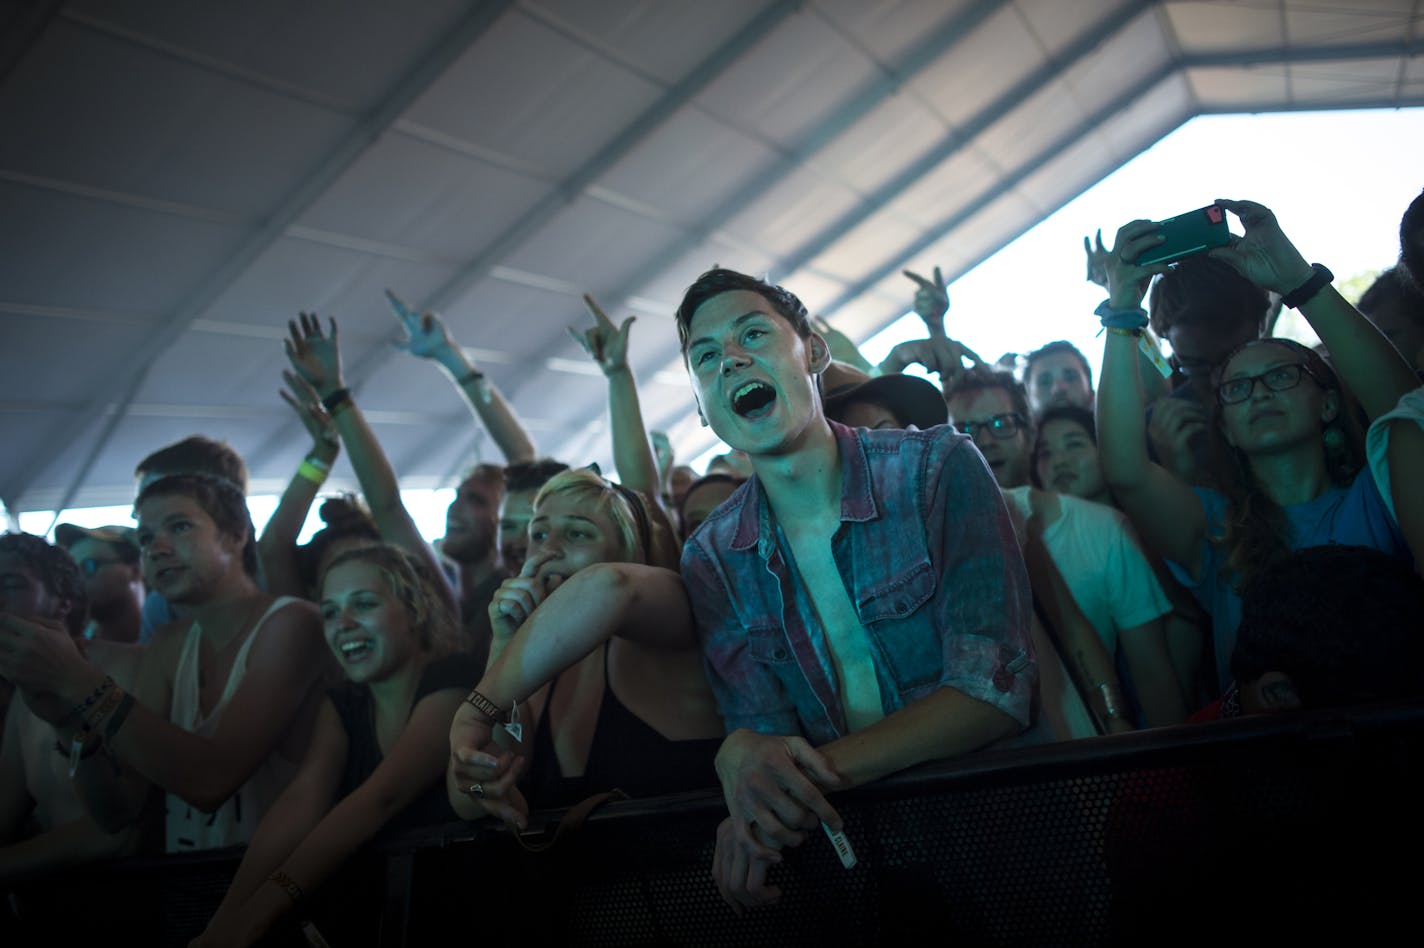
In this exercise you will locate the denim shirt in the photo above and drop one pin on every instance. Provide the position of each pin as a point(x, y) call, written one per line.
point(927, 553)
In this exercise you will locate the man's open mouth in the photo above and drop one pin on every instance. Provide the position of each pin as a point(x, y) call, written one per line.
point(752, 399)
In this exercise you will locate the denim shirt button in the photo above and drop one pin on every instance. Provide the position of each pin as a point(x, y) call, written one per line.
point(902, 607)
point(779, 655)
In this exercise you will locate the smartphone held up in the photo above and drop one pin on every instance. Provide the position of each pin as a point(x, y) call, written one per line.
point(1187, 234)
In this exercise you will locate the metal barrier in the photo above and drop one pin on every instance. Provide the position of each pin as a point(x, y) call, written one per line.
point(1307, 826)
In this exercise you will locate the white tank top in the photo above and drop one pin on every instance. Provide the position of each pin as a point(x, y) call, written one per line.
point(233, 823)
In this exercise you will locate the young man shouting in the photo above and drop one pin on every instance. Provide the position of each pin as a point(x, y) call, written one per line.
point(861, 599)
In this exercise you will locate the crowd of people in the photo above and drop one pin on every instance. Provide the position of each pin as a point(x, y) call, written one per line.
point(880, 572)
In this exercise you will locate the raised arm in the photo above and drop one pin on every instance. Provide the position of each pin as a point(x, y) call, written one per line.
point(428, 338)
point(1168, 516)
point(607, 345)
point(278, 544)
point(1367, 362)
point(316, 358)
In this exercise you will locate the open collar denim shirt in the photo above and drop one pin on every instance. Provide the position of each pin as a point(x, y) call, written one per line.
point(928, 556)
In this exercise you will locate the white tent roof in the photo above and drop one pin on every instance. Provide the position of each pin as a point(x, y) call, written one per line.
point(178, 179)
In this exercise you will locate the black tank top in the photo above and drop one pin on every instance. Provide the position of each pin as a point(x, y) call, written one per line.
point(626, 753)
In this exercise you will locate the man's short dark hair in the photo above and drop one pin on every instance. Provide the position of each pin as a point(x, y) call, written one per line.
point(220, 499)
point(531, 475)
point(1055, 348)
point(982, 377)
point(195, 454)
point(1206, 292)
point(56, 571)
point(1341, 621)
point(491, 475)
point(1393, 288)
point(720, 280)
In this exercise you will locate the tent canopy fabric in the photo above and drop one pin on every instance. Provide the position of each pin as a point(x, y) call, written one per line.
point(180, 179)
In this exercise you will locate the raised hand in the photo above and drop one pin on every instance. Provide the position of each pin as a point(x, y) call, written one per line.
point(1265, 255)
point(518, 596)
point(662, 451)
point(942, 356)
point(304, 400)
point(315, 356)
point(1126, 281)
point(1097, 260)
point(931, 300)
point(605, 343)
point(426, 335)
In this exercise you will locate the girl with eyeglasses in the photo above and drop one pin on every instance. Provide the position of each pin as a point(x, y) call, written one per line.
point(1297, 482)
point(595, 666)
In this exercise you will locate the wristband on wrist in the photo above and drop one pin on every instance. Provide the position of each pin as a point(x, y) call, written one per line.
point(1134, 333)
point(336, 401)
point(470, 377)
point(1306, 291)
point(486, 707)
point(288, 885)
point(1110, 700)
point(1135, 318)
point(309, 471)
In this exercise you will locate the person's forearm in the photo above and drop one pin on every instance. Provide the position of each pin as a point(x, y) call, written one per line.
point(67, 845)
point(373, 469)
point(1088, 660)
point(1150, 663)
point(489, 406)
point(277, 545)
point(282, 829)
point(944, 724)
point(580, 615)
point(1366, 361)
point(1122, 435)
point(632, 454)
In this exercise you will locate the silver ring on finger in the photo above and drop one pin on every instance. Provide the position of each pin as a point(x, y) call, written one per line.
point(476, 789)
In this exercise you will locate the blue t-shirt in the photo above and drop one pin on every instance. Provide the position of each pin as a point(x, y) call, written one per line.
point(1354, 515)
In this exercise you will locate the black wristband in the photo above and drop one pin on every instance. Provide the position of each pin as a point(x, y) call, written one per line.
point(334, 399)
point(1307, 290)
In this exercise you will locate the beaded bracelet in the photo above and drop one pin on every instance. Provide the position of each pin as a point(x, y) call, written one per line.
point(76, 713)
point(289, 886)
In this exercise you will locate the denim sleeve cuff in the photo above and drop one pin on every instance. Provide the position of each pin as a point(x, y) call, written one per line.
point(992, 671)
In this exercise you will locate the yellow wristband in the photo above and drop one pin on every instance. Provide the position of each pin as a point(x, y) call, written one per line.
point(311, 472)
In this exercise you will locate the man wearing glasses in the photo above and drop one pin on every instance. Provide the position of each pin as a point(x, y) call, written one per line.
point(1105, 569)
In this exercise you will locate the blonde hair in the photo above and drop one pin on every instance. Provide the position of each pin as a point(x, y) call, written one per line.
point(413, 586)
point(591, 491)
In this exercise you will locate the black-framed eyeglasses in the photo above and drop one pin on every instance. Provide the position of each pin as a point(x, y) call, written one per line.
point(1003, 426)
point(1279, 379)
point(91, 565)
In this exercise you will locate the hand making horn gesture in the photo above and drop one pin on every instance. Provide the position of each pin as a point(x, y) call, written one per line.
point(605, 343)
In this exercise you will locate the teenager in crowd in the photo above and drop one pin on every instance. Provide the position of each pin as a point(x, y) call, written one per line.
point(378, 751)
point(1279, 407)
point(861, 600)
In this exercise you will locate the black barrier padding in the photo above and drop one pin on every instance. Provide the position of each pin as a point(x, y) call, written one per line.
point(1302, 828)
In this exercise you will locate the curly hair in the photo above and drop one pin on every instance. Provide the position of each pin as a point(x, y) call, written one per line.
point(55, 570)
point(982, 377)
point(1256, 531)
point(416, 590)
point(720, 280)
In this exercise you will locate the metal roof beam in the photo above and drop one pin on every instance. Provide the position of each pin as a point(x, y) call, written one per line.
point(1005, 184)
point(964, 136)
point(122, 384)
point(564, 194)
